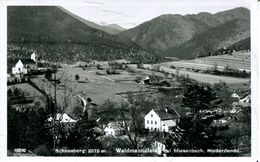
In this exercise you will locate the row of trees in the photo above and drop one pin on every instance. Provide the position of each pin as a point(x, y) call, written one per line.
point(72, 52)
point(228, 71)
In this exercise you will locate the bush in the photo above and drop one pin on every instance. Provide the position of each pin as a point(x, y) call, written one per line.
point(130, 70)
point(112, 71)
point(140, 65)
point(98, 73)
point(77, 77)
point(99, 67)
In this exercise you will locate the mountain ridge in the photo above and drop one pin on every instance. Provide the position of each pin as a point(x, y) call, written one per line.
point(207, 42)
point(110, 29)
point(170, 31)
point(56, 35)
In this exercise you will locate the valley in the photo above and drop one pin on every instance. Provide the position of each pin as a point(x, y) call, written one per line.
point(78, 88)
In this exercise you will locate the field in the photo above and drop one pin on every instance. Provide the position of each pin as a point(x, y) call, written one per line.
point(206, 78)
point(27, 88)
point(30, 93)
point(113, 87)
point(97, 87)
point(237, 60)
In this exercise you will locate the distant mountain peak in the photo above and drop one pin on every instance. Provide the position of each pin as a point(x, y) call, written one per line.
point(57, 35)
point(168, 32)
point(116, 26)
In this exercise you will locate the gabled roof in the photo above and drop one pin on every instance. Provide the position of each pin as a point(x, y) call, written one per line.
point(242, 93)
point(63, 118)
point(167, 113)
point(169, 123)
point(153, 77)
point(246, 96)
point(27, 61)
point(114, 125)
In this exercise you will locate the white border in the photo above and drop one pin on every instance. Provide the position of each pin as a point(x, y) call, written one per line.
point(255, 59)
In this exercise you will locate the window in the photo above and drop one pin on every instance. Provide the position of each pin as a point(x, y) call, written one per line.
point(147, 121)
point(151, 115)
point(151, 122)
point(163, 124)
point(151, 128)
point(155, 122)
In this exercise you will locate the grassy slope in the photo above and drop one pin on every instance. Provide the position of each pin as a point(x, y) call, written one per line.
point(55, 35)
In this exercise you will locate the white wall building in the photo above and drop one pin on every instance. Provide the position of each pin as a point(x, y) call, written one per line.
point(113, 128)
point(159, 147)
point(23, 66)
point(34, 57)
point(235, 95)
point(161, 119)
point(64, 119)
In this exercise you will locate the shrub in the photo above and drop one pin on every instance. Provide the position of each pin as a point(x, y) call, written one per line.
point(77, 77)
point(112, 71)
point(99, 67)
point(98, 73)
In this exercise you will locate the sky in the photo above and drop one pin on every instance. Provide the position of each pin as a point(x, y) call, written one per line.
point(129, 15)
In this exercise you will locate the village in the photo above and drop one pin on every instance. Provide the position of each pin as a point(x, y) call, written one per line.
point(100, 90)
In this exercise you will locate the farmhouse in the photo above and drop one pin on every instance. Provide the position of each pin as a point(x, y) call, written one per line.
point(64, 119)
point(161, 119)
point(151, 79)
point(116, 128)
point(235, 95)
point(24, 66)
point(113, 128)
point(34, 57)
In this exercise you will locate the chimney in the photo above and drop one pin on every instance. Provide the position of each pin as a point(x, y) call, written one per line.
point(166, 110)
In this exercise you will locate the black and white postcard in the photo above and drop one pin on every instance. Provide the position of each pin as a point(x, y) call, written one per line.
point(169, 79)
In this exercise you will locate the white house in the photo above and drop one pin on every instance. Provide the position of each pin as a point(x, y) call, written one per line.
point(23, 66)
point(151, 79)
point(159, 147)
point(34, 57)
point(116, 128)
point(219, 123)
point(161, 119)
point(113, 128)
point(63, 119)
point(235, 95)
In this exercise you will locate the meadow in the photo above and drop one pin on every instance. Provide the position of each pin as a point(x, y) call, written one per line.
point(237, 60)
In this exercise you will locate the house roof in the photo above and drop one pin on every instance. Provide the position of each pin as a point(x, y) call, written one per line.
point(246, 95)
point(169, 123)
point(63, 118)
point(27, 61)
point(242, 93)
point(114, 125)
point(152, 77)
point(167, 113)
